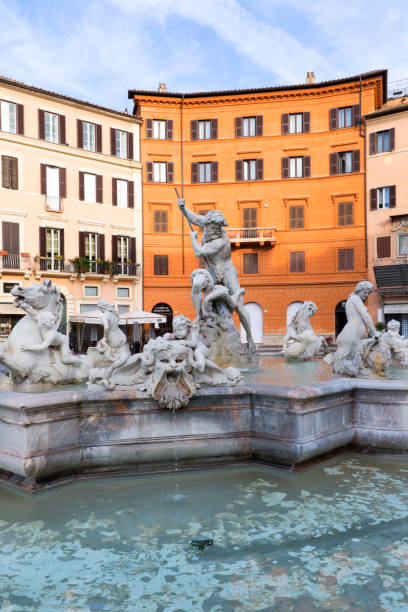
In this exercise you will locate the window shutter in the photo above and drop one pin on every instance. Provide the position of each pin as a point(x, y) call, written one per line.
point(194, 172)
point(161, 265)
point(285, 123)
point(356, 160)
point(333, 118)
point(114, 193)
point(170, 172)
point(238, 127)
point(5, 168)
point(114, 248)
point(297, 261)
point(194, 130)
point(169, 129)
point(306, 165)
point(239, 170)
point(113, 141)
point(214, 172)
point(373, 143)
point(393, 196)
point(14, 172)
point(129, 145)
point(98, 138)
point(392, 139)
point(250, 217)
point(62, 131)
point(99, 188)
point(250, 263)
point(149, 128)
point(81, 244)
point(43, 176)
point(41, 124)
point(20, 119)
point(101, 246)
point(149, 172)
point(81, 186)
point(383, 247)
point(131, 194)
point(132, 250)
point(62, 242)
point(356, 114)
point(63, 182)
point(259, 125)
point(333, 163)
point(373, 199)
point(345, 259)
point(43, 242)
point(259, 169)
point(285, 167)
point(306, 122)
point(214, 128)
point(341, 259)
point(80, 134)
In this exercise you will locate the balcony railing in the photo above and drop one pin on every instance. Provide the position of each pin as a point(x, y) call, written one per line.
point(15, 261)
point(245, 235)
point(125, 269)
point(54, 264)
point(53, 202)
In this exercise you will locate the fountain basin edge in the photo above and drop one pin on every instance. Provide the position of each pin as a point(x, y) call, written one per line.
point(51, 438)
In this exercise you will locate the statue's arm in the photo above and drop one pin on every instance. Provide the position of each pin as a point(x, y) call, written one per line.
point(367, 320)
point(46, 343)
point(191, 216)
point(209, 248)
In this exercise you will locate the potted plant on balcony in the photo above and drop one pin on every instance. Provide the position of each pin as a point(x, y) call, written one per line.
point(82, 264)
point(106, 266)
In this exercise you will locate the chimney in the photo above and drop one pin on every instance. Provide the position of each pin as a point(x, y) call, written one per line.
point(162, 88)
point(310, 77)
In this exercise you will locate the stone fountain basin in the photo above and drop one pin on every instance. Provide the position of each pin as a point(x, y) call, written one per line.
point(51, 438)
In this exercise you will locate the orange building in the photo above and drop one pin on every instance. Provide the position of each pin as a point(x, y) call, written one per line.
point(286, 167)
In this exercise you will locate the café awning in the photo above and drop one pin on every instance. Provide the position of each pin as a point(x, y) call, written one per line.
point(127, 318)
point(10, 309)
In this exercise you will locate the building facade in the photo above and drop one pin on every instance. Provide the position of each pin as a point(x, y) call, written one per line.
point(387, 212)
point(286, 167)
point(70, 200)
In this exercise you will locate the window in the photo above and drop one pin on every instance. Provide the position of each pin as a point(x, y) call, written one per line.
point(123, 292)
point(403, 245)
point(9, 168)
point(346, 259)
point(8, 117)
point(295, 123)
point(296, 217)
point(124, 255)
point(53, 186)
point(248, 169)
point(160, 221)
point(297, 261)
point(382, 142)
point(91, 246)
point(51, 127)
point(122, 308)
point(51, 249)
point(7, 287)
point(90, 187)
point(161, 129)
point(89, 136)
point(250, 261)
point(123, 248)
point(383, 197)
point(248, 126)
point(296, 167)
point(87, 307)
point(204, 172)
point(345, 213)
point(206, 129)
point(161, 265)
point(123, 193)
point(345, 162)
point(344, 117)
point(11, 244)
point(160, 172)
point(121, 144)
point(90, 291)
point(383, 247)
point(250, 217)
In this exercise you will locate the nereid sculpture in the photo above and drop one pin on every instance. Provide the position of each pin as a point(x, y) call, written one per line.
point(396, 345)
point(300, 341)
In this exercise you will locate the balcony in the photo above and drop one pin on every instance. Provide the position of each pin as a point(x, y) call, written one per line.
point(125, 269)
point(16, 263)
point(53, 203)
point(251, 236)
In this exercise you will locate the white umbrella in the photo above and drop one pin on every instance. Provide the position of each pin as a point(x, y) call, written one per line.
point(130, 318)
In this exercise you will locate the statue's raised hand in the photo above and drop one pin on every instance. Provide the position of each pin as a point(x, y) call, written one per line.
point(181, 202)
point(194, 235)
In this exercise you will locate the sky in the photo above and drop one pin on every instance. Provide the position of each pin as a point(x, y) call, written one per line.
point(96, 50)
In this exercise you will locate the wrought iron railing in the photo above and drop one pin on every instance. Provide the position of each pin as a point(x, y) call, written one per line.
point(53, 202)
point(251, 234)
point(126, 269)
point(15, 261)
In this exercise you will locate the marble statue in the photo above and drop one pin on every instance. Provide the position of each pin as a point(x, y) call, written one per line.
point(216, 250)
point(357, 355)
point(36, 353)
point(300, 341)
point(394, 343)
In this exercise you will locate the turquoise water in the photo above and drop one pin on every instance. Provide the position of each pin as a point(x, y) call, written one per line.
point(333, 537)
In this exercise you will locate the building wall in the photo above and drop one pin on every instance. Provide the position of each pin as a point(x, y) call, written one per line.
point(27, 205)
point(274, 288)
point(387, 169)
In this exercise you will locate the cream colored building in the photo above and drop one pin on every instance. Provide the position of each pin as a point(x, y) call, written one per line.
point(387, 212)
point(70, 199)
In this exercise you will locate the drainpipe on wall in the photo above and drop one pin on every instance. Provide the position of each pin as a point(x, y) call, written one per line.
point(182, 179)
point(362, 135)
